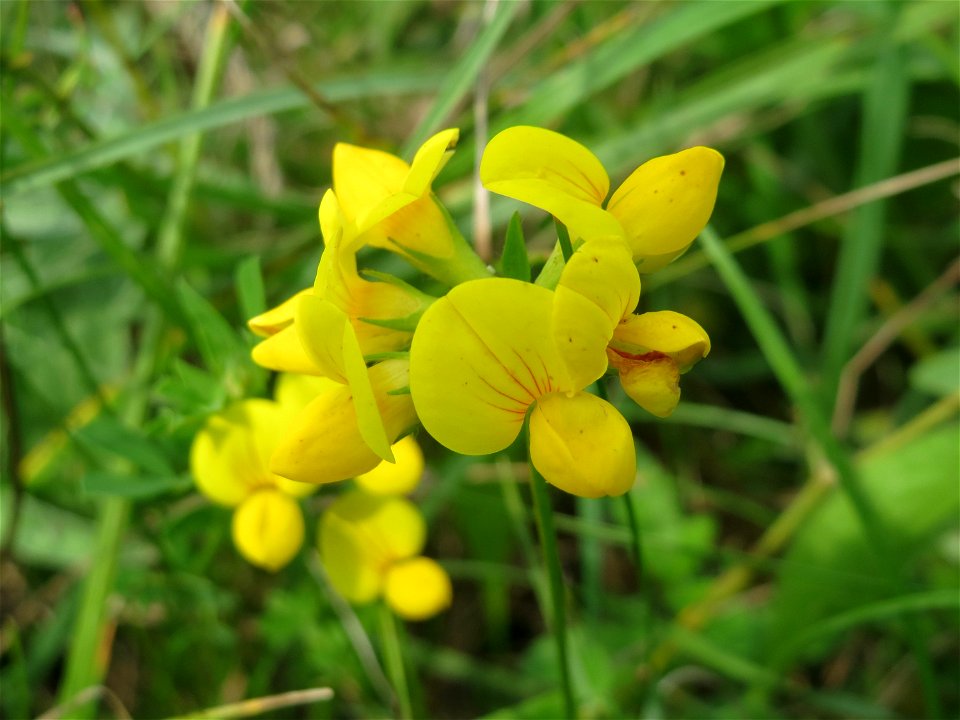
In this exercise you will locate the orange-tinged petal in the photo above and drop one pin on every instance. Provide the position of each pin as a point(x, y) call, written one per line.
point(361, 535)
point(331, 342)
point(653, 383)
point(283, 352)
point(665, 204)
point(324, 444)
point(551, 172)
point(582, 445)
point(417, 589)
point(665, 331)
point(429, 161)
point(399, 478)
point(268, 529)
point(275, 319)
point(480, 357)
point(229, 456)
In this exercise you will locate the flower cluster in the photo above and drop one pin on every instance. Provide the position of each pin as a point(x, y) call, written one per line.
point(472, 366)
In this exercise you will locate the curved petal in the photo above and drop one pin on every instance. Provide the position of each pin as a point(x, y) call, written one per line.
point(582, 445)
point(399, 478)
point(331, 342)
point(268, 529)
point(479, 358)
point(429, 161)
point(294, 392)
point(283, 352)
point(417, 589)
point(552, 172)
point(324, 444)
point(653, 383)
point(665, 331)
point(598, 287)
point(666, 202)
point(277, 318)
point(229, 456)
point(361, 535)
point(363, 178)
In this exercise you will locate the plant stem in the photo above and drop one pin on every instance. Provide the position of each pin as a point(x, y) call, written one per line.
point(393, 659)
point(551, 558)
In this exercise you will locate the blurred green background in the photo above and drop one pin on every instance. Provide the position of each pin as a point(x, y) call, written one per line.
point(162, 163)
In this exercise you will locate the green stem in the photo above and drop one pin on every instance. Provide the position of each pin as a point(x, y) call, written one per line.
point(551, 558)
point(393, 660)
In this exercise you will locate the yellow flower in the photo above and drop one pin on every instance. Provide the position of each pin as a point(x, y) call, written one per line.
point(484, 354)
point(229, 460)
point(390, 204)
point(659, 209)
point(397, 478)
point(371, 545)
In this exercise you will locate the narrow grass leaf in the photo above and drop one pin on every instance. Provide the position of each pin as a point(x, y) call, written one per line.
point(514, 262)
point(250, 292)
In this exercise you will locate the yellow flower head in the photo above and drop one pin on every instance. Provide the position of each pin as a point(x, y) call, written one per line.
point(396, 478)
point(229, 460)
point(659, 209)
point(485, 354)
point(370, 546)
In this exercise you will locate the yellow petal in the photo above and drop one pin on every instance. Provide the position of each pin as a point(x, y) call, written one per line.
point(582, 445)
point(229, 456)
point(331, 342)
point(551, 172)
point(429, 161)
point(275, 319)
point(599, 286)
point(283, 352)
point(418, 589)
point(399, 478)
point(362, 178)
point(419, 227)
point(294, 392)
point(268, 529)
point(666, 332)
point(361, 535)
point(653, 383)
point(479, 358)
point(665, 204)
point(324, 444)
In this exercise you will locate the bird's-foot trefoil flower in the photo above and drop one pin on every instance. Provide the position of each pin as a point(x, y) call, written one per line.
point(485, 356)
point(371, 545)
point(229, 460)
point(391, 205)
point(659, 209)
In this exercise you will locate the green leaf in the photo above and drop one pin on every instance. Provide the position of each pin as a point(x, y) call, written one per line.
point(514, 262)
point(108, 433)
point(249, 281)
point(132, 486)
point(937, 374)
point(217, 342)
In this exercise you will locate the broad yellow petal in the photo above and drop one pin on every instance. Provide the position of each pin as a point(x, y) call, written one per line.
point(582, 445)
point(362, 178)
point(397, 478)
point(552, 172)
point(331, 342)
point(268, 529)
point(294, 392)
point(275, 319)
point(324, 443)
point(283, 352)
point(598, 287)
point(229, 456)
point(361, 535)
point(429, 161)
point(417, 589)
point(665, 204)
point(665, 331)
point(479, 358)
point(653, 382)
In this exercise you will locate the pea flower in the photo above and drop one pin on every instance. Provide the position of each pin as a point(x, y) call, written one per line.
point(485, 355)
point(229, 460)
point(659, 209)
point(391, 205)
point(371, 545)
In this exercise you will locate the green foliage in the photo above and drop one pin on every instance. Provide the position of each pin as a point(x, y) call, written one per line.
point(792, 564)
